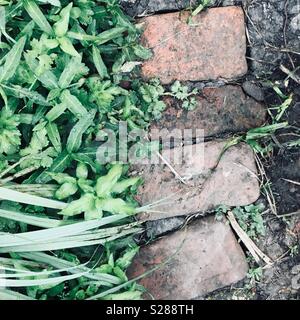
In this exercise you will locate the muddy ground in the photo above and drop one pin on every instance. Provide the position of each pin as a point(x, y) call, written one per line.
point(273, 33)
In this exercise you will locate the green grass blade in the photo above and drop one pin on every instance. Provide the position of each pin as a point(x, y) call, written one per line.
point(6, 294)
point(41, 257)
point(32, 220)
point(41, 282)
point(41, 190)
point(35, 237)
point(33, 246)
point(24, 273)
point(16, 196)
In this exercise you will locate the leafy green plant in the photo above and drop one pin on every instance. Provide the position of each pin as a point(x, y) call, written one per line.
point(62, 65)
point(202, 4)
point(294, 250)
point(254, 275)
point(250, 220)
point(182, 93)
point(259, 139)
point(280, 109)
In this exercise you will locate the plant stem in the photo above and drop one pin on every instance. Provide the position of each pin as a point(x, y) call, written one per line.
point(19, 174)
point(7, 170)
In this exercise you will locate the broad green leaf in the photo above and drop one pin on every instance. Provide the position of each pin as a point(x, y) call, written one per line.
point(19, 92)
point(56, 112)
point(69, 72)
point(37, 16)
point(2, 19)
point(110, 34)
point(54, 136)
point(75, 137)
point(12, 60)
point(115, 206)
point(55, 3)
point(121, 186)
point(47, 78)
point(129, 66)
point(53, 94)
point(25, 118)
point(84, 158)
point(73, 104)
point(39, 114)
point(61, 26)
point(105, 183)
point(26, 31)
point(81, 36)
point(67, 46)
point(125, 260)
point(60, 163)
point(142, 52)
point(3, 24)
point(99, 64)
point(101, 38)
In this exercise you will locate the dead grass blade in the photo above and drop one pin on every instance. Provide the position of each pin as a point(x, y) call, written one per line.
point(257, 254)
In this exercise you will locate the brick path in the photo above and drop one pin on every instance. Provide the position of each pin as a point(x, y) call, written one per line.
point(214, 48)
point(208, 255)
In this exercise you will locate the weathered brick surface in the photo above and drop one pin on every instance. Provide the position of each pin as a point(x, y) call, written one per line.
point(210, 258)
point(214, 48)
point(219, 110)
point(232, 182)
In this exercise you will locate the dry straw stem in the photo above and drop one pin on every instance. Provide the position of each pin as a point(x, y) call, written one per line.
point(257, 254)
point(292, 181)
point(267, 188)
point(290, 74)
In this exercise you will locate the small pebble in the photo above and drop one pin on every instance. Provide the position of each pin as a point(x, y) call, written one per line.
point(253, 90)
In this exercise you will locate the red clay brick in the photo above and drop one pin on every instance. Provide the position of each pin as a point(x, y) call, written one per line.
point(210, 258)
point(232, 182)
point(219, 110)
point(213, 49)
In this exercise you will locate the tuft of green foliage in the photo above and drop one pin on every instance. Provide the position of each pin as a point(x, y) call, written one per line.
point(63, 66)
point(250, 220)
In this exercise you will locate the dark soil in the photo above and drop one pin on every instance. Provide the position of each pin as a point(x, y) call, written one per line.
point(273, 32)
point(285, 165)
